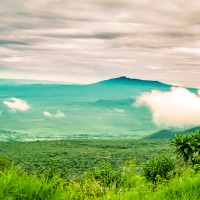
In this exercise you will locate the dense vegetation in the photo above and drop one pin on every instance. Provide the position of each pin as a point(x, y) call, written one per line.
point(17, 185)
point(77, 156)
point(161, 178)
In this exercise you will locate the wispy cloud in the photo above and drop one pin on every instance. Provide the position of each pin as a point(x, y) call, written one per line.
point(15, 104)
point(178, 107)
point(59, 114)
point(119, 110)
point(54, 39)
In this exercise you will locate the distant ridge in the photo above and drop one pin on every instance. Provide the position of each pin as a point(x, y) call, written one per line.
point(118, 80)
point(29, 82)
point(122, 80)
point(126, 80)
point(167, 134)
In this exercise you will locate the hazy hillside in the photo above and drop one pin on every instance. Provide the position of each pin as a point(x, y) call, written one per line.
point(170, 134)
point(100, 110)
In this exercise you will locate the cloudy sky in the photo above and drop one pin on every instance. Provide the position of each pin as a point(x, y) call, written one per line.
point(85, 41)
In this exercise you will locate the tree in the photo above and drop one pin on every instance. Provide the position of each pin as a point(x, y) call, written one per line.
point(188, 147)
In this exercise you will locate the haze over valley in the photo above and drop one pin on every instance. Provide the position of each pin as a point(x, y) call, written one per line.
point(114, 108)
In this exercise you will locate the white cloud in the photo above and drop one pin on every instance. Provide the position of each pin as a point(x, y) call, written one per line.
point(178, 107)
point(119, 110)
point(16, 104)
point(59, 114)
point(47, 114)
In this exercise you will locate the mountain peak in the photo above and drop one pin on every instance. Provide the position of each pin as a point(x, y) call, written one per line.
point(123, 77)
point(126, 80)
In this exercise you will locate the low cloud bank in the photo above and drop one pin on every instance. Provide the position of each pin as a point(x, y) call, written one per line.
point(176, 108)
point(16, 104)
point(59, 114)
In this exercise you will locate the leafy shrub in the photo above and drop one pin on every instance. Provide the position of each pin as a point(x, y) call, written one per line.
point(97, 181)
point(103, 178)
point(158, 168)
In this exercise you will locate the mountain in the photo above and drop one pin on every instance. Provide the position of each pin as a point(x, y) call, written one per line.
point(167, 134)
point(162, 134)
point(123, 87)
point(131, 81)
point(112, 89)
point(72, 111)
point(118, 80)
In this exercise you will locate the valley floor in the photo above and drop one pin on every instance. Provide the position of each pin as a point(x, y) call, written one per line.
point(77, 156)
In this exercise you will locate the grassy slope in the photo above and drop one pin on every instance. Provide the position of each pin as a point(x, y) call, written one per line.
point(17, 185)
point(79, 155)
point(186, 187)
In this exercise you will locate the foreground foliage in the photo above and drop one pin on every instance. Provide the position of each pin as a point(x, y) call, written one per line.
point(15, 184)
point(161, 178)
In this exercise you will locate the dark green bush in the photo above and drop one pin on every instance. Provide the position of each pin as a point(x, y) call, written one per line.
point(158, 168)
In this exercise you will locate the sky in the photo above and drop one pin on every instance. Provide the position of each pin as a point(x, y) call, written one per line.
point(85, 41)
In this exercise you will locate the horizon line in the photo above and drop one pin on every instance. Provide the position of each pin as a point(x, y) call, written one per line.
point(40, 81)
